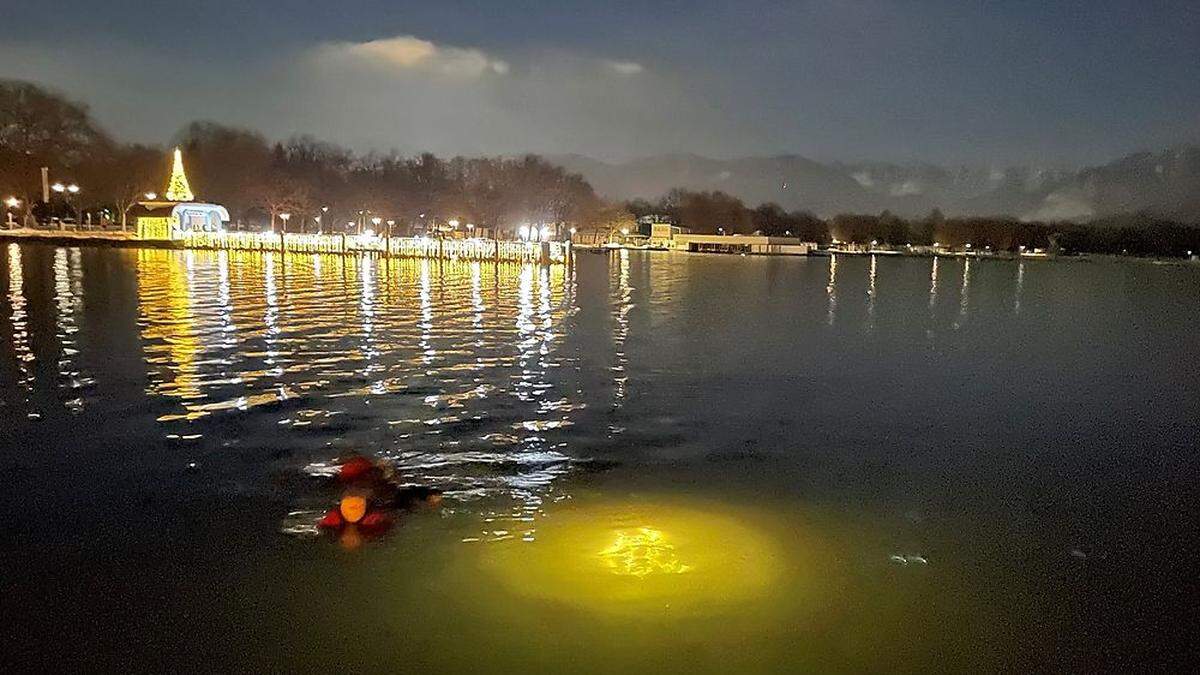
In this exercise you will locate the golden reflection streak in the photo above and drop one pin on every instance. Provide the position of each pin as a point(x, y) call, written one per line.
point(271, 313)
point(367, 315)
point(428, 353)
point(224, 305)
point(168, 323)
point(624, 306)
point(933, 274)
point(871, 294)
point(964, 300)
point(831, 288)
point(19, 320)
point(525, 329)
point(66, 300)
point(477, 306)
point(1020, 287)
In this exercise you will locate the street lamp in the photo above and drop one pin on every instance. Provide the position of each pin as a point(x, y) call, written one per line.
point(284, 217)
point(524, 232)
point(67, 191)
point(453, 222)
point(11, 203)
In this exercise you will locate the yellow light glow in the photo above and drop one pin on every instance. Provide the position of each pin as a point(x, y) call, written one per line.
point(640, 558)
point(643, 552)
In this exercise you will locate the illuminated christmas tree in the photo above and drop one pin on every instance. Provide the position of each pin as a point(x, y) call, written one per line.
point(177, 187)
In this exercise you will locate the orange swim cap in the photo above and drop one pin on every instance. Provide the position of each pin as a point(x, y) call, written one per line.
point(353, 508)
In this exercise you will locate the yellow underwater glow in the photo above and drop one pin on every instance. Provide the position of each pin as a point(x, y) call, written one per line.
point(640, 558)
point(643, 552)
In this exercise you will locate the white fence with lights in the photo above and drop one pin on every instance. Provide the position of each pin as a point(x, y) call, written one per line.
point(400, 247)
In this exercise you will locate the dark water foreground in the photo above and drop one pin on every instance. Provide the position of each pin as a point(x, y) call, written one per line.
point(652, 462)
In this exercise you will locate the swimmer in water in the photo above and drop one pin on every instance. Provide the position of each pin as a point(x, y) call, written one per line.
point(370, 497)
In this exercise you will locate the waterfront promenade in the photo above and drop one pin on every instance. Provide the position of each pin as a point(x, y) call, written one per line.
point(547, 252)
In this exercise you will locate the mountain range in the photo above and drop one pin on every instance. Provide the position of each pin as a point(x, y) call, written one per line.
point(1165, 184)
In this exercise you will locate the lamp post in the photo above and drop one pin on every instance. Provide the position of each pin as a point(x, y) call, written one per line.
point(12, 203)
point(67, 191)
point(284, 217)
point(374, 221)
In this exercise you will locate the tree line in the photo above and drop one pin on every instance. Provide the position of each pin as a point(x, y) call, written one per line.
point(1131, 234)
point(317, 185)
point(324, 186)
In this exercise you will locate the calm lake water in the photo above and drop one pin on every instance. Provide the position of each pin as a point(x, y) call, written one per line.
point(652, 462)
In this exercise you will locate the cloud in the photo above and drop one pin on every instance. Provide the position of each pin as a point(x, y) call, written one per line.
point(405, 53)
point(625, 67)
point(404, 93)
point(1062, 205)
point(908, 187)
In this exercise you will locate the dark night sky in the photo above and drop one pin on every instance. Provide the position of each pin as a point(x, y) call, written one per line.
point(956, 81)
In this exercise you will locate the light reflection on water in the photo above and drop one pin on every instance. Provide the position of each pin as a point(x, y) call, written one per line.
point(651, 461)
point(479, 371)
point(17, 320)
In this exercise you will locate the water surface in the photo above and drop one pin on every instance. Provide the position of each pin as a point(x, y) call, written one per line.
point(652, 461)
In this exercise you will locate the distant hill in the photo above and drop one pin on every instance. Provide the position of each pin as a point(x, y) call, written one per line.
point(1165, 183)
point(792, 181)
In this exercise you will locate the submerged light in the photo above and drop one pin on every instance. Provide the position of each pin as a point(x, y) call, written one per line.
point(643, 552)
point(643, 557)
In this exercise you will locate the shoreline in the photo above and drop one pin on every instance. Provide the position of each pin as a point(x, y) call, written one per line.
point(119, 239)
point(481, 250)
point(826, 253)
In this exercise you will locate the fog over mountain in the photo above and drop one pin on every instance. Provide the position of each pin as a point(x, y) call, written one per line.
point(1165, 183)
